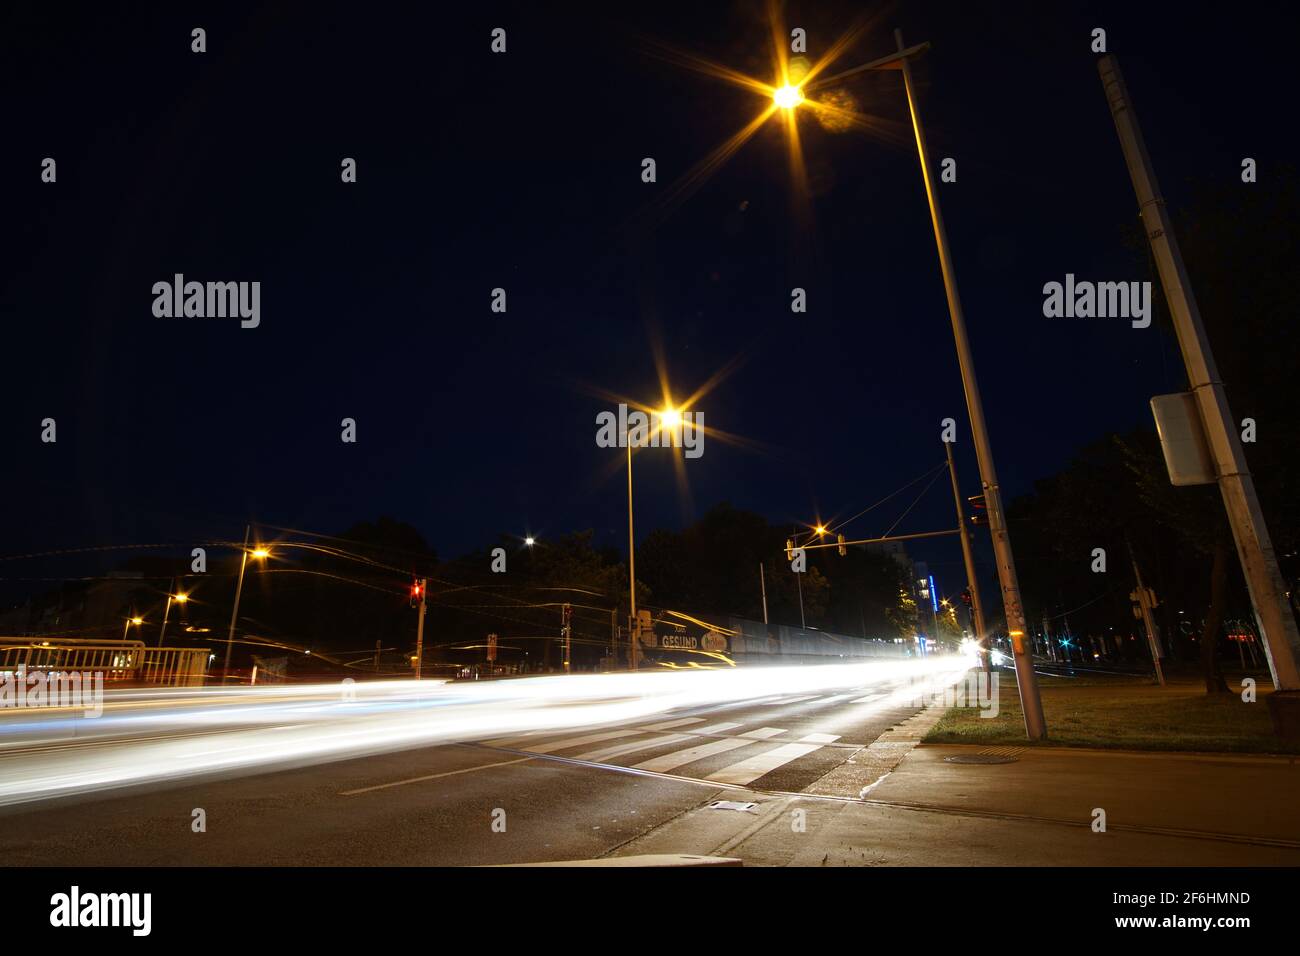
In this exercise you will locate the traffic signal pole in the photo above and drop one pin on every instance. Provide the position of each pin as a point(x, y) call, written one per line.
point(972, 582)
point(1026, 680)
point(1144, 604)
point(419, 632)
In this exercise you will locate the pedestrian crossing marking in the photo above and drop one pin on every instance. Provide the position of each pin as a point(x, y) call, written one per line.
point(790, 700)
point(678, 758)
point(870, 698)
point(519, 739)
point(619, 750)
point(566, 742)
point(751, 768)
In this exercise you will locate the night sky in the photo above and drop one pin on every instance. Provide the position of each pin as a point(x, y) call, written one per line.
point(522, 171)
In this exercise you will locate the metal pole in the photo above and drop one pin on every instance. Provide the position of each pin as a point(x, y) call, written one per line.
point(972, 584)
point(234, 612)
point(631, 567)
point(419, 632)
point(1147, 621)
point(568, 647)
point(799, 579)
point(762, 583)
point(1030, 702)
point(1277, 625)
point(166, 611)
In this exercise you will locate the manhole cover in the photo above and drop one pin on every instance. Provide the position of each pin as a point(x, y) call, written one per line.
point(978, 758)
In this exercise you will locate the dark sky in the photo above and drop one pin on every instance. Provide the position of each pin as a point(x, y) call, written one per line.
point(522, 171)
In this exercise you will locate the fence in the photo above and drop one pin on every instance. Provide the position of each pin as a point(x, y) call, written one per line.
point(118, 661)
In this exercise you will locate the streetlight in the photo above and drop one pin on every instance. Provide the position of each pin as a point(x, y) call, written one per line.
point(137, 621)
point(1035, 726)
point(530, 541)
point(787, 97)
point(245, 554)
point(180, 598)
point(668, 418)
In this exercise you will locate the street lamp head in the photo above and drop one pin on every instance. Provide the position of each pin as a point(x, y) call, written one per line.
point(259, 553)
point(530, 541)
point(182, 598)
point(820, 529)
point(787, 97)
point(670, 418)
point(137, 620)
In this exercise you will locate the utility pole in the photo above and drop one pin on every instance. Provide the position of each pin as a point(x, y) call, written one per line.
point(799, 580)
point(631, 568)
point(234, 612)
point(566, 622)
point(1030, 702)
point(1143, 597)
point(419, 631)
point(1277, 625)
point(166, 611)
point(968, 556)
point(762, 584)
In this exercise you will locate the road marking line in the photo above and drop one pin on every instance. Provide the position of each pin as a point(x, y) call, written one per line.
point(520, 741)
point(432, 776)
point(618, 750)
point(790, 700)
point(567, 742)
point(751, 768)
point(870, 698)
point(679, 757)
point(831, 700)
point(819, 738)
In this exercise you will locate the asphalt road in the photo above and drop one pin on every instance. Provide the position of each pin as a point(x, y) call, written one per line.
point(568, 793)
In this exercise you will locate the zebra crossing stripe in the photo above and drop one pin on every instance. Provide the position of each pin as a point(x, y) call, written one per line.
point(618, 750)
point(790, 700)
point(678, 758)
point(870, 698)
point(518, 740)
point(751, 768)
point(831, 700)
point(565, 743)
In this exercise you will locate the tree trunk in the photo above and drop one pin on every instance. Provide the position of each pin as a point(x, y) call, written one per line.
point(1214, 682)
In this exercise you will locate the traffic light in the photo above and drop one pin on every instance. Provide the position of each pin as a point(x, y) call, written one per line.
point(843, 550)
point(981, 509)
point(566, 614)
point(789, 549)
point(965, 597)
point(417, 593)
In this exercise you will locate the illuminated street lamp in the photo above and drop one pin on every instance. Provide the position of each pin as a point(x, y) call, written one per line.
point(137, 621)
point(530, 541)
point(788, 97)
point(256, 554)
point(180, 598)
point(668, 418)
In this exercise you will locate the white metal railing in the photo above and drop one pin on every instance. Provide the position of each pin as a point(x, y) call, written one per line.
point(116, 660)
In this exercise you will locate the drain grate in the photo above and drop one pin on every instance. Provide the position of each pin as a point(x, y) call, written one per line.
point(979, 758)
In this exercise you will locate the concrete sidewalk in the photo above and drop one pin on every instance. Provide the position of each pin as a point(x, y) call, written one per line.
point(1161, 809)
